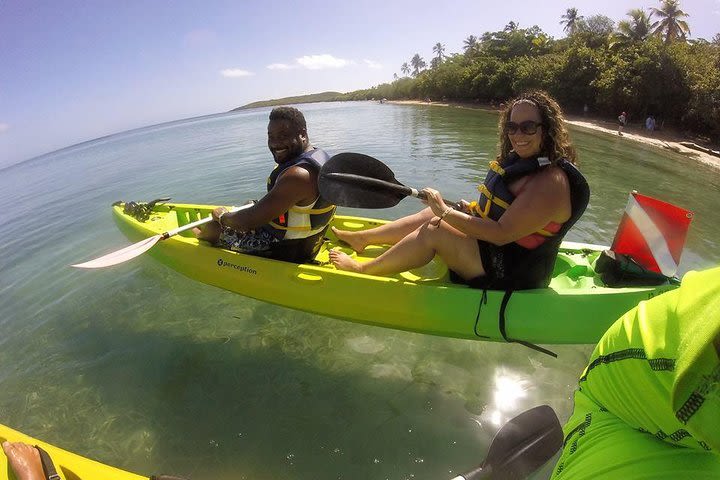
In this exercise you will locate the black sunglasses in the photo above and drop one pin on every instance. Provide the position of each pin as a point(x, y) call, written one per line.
point(528, 127)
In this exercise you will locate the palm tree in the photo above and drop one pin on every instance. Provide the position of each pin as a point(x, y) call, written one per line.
point(571, 20)
point(439, 49)
point(470, 42)
point(637, 29)
point(418, 64)
point(670, 24)
point(405, 69)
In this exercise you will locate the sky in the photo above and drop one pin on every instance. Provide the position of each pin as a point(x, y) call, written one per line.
point(71, 71)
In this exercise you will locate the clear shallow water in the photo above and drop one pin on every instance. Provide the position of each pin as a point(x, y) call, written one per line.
point(142, 368)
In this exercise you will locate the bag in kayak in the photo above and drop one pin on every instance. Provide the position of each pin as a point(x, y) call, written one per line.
point(618, 270)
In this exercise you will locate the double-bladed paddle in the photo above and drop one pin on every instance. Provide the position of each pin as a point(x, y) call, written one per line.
point(521, 446)
point(137, 249)
point(361, 181)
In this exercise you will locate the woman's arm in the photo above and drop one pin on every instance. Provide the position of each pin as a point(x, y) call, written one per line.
point(545, 199)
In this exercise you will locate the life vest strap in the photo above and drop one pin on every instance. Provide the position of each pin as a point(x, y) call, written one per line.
point(311, 211)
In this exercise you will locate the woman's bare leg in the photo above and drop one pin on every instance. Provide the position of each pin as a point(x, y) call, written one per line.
point(390, 233)
point(24, 460)
point(457, 250)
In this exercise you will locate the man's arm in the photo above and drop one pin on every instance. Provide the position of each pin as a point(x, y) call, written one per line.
point(295, 185)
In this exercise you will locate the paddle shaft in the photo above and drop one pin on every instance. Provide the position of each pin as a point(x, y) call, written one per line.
point(382, 185)
point(136, 249)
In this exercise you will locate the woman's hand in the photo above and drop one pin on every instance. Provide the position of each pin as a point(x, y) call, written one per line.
point(434, 200)
point(464, 206)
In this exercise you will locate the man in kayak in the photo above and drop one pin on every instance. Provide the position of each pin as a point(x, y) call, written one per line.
point(289, 222)
point(648, 403)
point(509, 238)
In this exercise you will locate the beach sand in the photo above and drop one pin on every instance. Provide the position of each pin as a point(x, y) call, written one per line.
point(666, 139)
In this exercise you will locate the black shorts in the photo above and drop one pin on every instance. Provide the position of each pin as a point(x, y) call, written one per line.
point(510, 267)
point(262, 243)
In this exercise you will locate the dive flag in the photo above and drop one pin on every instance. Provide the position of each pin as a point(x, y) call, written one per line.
point(653, 233)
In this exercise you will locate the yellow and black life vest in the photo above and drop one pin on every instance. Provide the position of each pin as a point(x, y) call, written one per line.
point(302, 221)
point(513, 265)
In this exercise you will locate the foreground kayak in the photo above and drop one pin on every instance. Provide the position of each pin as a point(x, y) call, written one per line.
point(576, 308)
point(69, 466)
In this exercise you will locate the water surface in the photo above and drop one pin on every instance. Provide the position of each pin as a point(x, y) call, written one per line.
point(140, 367)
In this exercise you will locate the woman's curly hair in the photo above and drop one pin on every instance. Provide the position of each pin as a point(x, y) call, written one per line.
point(556, 140)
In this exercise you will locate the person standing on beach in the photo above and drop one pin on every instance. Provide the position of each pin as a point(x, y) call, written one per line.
point(622, 120)
point(650, 123)
point(289, 222)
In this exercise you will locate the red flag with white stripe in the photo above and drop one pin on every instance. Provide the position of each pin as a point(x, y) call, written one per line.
point(653, 233)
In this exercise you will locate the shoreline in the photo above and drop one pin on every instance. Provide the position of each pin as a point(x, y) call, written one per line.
point(663, 139)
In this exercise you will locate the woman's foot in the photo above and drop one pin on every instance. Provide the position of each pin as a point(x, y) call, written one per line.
point(356, 240)
point(342, 261)
point(24, 460)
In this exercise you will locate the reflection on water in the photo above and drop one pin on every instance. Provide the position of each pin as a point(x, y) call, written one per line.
point(508, 390)
point(143, 368)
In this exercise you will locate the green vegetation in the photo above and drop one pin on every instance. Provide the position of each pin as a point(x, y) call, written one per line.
point(315, 97)
point(643, 65)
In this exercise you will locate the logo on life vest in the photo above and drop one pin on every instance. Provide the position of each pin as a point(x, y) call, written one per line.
point(241, 268)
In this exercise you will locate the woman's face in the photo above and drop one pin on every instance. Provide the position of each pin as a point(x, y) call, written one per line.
point(525, 117)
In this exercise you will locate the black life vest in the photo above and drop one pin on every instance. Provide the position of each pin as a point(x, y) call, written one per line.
point(518, 267)
point(302, 221)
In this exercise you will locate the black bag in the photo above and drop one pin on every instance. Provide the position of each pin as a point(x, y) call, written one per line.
point(618, 270)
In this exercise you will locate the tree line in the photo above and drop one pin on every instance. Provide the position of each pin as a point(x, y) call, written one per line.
point(644, 65)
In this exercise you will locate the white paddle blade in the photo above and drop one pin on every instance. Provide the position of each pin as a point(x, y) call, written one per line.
point(120, 256)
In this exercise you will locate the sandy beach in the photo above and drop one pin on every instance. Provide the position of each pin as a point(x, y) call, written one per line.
point(666, 139)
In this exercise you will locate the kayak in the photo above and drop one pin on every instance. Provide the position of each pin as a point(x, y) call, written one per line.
point(576, 308)
point(69, 466)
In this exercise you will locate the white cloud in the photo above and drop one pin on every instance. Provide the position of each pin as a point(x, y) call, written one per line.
point(4, 127)
point(235, 73)
point(320, 62)
point(280, 66)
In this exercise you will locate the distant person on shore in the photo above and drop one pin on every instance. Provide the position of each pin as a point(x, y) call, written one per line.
point(585, 110)
point(622, 121)
point(650, 123)
point(509, 239)
point(289, 222)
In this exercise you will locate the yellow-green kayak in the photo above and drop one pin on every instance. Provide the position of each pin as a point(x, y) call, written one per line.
point(69, 466)
point(576, 308)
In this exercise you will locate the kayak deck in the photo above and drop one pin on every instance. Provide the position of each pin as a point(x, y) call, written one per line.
point(576, 308)
point(69, 466)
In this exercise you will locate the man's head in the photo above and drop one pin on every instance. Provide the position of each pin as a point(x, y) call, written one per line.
point(287, 133)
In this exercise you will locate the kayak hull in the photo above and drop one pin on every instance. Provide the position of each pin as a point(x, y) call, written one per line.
point(576, 309)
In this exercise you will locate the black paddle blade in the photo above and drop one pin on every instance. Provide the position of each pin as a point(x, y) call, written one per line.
point(360, 181)
point(521, 446)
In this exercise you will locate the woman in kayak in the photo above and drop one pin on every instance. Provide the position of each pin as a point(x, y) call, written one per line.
point(509, 239)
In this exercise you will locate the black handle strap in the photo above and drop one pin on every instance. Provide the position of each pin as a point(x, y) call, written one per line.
point(501, 325)
point(48, 465)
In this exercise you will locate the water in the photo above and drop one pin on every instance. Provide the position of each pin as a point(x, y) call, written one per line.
point(142, 368)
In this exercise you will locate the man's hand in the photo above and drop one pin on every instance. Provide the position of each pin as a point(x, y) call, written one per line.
point(217, 212)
